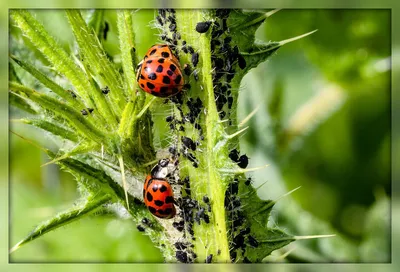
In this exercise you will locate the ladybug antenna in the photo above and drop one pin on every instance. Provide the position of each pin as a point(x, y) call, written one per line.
point(121, 165)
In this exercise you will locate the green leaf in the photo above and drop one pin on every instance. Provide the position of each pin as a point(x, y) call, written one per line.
point(95, 58)
point(243, 25)
point(89, 206)
point(75, 118)
point(96, 21)
point(53, 52)
point(55, 129)
point(128, 55)
point(48, 82)
point(268, 241)
point(21, 103)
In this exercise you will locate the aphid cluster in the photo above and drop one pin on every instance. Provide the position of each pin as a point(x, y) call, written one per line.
point(225, 59)
point(242, 161)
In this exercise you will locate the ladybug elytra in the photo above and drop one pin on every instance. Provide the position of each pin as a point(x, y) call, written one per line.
point(159, 73)
point(159, 197)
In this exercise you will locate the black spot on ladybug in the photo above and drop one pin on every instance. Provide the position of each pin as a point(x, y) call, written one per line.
point(155, 188)
point(161, 60)
point(165, 54)
point(161, 212)
point(152, 52)
point(166, 80)
point(163, 188)
point(202, 27)
point(142, 76)
point(159, 69)
point(164, 89)
point(168, 211)
point(142, 85)
point(178, 79)
point(209, 258)
point(172, 67)
point(170, 73)
point(158, 203)
point(140, 228)
point(149, 61)
point(169, 199)
point(149, 197)
point(152, 210)
point(152, 76)
point(195, 59)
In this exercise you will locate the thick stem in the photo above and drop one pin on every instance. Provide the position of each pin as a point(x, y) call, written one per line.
point(211, 238)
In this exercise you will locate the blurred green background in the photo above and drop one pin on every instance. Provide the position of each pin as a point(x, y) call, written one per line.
point(323, 124)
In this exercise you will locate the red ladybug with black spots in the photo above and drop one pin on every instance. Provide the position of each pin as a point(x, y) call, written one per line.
point(159, 73)
point(159, 197)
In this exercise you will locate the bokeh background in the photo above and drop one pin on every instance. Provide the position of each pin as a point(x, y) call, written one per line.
point(323, 123)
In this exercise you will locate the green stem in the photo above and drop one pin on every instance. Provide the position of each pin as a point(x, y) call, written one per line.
point(206, 179)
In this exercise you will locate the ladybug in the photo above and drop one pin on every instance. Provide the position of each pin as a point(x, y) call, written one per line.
point(159, 73)
point(159, 197)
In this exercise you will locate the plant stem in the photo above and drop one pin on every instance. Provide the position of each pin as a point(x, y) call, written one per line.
point(206, 179)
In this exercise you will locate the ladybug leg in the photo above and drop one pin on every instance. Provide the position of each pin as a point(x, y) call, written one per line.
point(138, 68)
